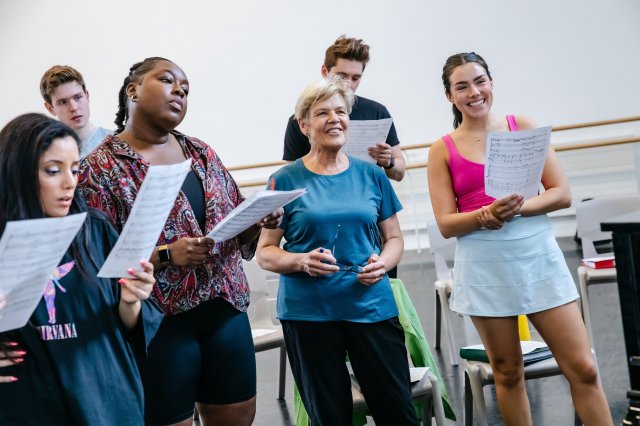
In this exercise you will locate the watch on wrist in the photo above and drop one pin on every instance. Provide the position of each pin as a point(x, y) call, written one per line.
point(392, 162)
point(164, 255)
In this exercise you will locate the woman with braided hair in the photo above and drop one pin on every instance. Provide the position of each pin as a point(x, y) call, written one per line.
point(203, 352)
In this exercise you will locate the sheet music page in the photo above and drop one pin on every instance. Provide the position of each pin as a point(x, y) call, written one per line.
point(417, 373)
point(364, 134)
point(149, 213)
point(251, 210)
point(259, 332)
point(514, 162)
point(30, 250)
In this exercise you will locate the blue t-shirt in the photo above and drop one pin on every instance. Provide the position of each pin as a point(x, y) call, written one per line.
point(341, 213)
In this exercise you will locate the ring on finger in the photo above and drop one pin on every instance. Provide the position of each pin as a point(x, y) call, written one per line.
point(198, 241)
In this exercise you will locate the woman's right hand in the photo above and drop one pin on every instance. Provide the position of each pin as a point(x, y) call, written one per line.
point(10, 354)
point(190, 251)
point(504, 209)
point(319, 262)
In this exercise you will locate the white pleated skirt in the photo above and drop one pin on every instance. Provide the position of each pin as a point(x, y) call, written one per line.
point(518, 269)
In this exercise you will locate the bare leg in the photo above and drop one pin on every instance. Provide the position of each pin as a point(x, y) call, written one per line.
point(237, 414)
point(563, 330)
point(502, 343)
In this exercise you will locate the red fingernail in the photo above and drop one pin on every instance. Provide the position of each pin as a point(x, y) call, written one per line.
point(11, 343)
point(131, 271)
point(20, 353)
point(13, 379)
point(122, 281)
point(17, 360)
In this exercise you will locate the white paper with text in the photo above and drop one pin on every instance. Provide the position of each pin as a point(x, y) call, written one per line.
point(30, 250)
point(514, 162)
point(251, 210)
point(154, 201)
point(364, 134)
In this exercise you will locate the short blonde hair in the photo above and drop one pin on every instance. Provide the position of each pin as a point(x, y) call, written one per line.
point(323, 90)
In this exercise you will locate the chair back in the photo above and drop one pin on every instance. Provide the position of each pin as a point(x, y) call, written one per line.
point(589, 215)
point(263, 285)
point(443, 250)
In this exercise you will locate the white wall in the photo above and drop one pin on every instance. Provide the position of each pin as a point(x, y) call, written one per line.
point(558, 61)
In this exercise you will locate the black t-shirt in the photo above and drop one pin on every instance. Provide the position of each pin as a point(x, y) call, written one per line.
point(80, 367)
point(296, 144)
point(192, 188)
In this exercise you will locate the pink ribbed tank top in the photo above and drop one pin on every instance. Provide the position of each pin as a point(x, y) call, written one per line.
point(468, 176)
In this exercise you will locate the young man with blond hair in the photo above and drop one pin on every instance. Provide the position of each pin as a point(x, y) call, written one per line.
point(347, 58)
point(66, 97)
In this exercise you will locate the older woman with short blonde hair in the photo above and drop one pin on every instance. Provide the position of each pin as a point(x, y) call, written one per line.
point(335, 298)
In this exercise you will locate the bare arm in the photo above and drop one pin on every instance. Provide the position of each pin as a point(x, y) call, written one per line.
point(443, 200)
point(382, 153)
point(557, 194)
point(399, 168)
point(134, 289)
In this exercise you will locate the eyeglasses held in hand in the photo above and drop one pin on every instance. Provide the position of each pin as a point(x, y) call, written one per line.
point(346, 268)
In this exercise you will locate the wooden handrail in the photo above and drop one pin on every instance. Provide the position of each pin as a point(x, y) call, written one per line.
point(416, 146)
point(594, 123)
point(428, 144)
point(597, 144)
point(554, 129)
point(423, 164)
point(257, 165)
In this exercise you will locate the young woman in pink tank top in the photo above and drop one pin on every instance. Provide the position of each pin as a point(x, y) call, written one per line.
point(500, 269)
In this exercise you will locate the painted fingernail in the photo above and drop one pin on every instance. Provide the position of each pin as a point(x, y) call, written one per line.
point(11, 343)
point(17, 360)
point(131, 271)
point(13, 379)
point(122, 281)
point(20, 353)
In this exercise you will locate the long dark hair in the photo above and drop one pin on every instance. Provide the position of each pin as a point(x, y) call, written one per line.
point(136, 72)
point(23, 141)
point(453, 62)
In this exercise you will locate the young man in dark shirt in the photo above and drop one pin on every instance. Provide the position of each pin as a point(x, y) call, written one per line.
point(347, 58)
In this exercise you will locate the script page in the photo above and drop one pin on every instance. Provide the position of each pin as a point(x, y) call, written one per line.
point(364, 134)
point(251, 210)
point(147, 218)
point(30, 250)
point(514, 162)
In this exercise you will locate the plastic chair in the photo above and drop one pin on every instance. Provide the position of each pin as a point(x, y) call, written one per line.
point(262, 318)
point(589, 215)
point(442, 250)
